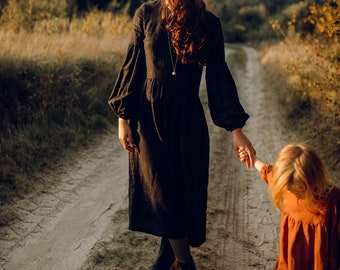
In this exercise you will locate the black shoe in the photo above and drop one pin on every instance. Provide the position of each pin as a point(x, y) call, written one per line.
point(165, 256)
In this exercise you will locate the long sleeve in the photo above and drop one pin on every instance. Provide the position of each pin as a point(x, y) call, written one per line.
point(225, 108)
point(124, 96)
point(266, 173)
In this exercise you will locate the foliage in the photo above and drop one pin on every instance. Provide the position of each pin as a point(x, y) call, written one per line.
point(47, 108)
point(51, 19)
point(55, 77)
point(80, 6)
point(18, 15)
point(310, 62)
point(245, 23)
point(311, 54)
point(326, 18)
point(126, 7)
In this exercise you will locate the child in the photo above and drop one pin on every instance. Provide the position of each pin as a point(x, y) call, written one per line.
point(310, 204)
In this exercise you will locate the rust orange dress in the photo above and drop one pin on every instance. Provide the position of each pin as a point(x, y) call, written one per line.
point(308, 241)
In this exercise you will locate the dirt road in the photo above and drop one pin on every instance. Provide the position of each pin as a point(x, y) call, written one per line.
point(58, 228)
point(243, 226)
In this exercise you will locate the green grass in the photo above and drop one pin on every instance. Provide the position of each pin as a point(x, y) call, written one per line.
point(126, 250)
point(55, 78)
point(48, 109)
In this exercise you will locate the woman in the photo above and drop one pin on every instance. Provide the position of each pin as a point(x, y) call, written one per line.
point(162, 122)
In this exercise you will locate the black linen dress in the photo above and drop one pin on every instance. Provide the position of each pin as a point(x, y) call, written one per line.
point(168, 170)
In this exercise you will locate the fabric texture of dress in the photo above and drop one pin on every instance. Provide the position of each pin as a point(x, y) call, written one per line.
point(168, 169)
point(308, 241)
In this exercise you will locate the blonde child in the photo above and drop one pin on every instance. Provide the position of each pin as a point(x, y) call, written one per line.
point(301, 189)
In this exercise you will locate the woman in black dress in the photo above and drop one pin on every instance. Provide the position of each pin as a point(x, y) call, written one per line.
point(162, 123)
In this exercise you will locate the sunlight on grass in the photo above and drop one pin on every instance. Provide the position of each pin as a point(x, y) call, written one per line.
point(55, 80)
point(96, 36)
point(304, 67)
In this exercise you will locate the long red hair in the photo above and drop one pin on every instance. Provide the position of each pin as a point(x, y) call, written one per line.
point(185, 20)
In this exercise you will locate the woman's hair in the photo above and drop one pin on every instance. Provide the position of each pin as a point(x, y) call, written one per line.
point(185, 20)
point(299, 169)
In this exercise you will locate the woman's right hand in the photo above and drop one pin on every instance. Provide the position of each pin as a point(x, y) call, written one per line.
point(125, 135)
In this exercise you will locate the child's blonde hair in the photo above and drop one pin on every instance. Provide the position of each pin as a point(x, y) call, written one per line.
point(299, 169)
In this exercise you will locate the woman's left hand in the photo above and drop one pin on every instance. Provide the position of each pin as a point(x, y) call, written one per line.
point(242, 144)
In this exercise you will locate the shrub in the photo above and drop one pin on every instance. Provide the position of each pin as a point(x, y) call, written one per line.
point(326, 19)
point(48, 108)
point(22, 15)
point(55, 78)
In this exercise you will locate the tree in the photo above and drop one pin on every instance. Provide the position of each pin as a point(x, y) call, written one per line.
point(127, 7)
point(3, 3)
point(81, 6)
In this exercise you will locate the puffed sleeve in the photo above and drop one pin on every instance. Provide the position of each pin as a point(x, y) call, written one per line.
point(124, 96)
point(266, 173)
point(224, 105)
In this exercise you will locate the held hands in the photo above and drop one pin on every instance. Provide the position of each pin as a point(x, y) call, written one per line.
point(243, 155)
point(125, 135)
point(258, 163)
point(243, 148)
point(242, 145)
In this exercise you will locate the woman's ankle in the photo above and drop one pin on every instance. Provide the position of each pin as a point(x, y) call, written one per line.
point(188, 260)
point(181, 248)
point(165, 257)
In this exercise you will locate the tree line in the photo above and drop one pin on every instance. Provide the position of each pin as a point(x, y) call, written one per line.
point(129, 6)
point(242, 20)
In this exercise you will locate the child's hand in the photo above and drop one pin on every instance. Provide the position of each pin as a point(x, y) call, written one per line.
point(243, 155)
point(241, 142)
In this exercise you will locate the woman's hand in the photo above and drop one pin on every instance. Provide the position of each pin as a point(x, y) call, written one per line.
point(258, 163)
point(125, 135)
point(243, 148)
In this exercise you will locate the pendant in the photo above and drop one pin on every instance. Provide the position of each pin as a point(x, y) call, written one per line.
point(173, 73)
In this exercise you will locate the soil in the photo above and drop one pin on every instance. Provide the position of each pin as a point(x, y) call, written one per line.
point(80, 222)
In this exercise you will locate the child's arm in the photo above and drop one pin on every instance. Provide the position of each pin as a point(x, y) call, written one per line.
point(258, 163)
point(264, 169)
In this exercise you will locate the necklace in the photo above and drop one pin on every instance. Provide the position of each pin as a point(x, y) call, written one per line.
point(173, 63)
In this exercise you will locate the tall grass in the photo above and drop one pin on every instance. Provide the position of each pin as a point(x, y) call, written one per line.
point(310, 64)
point(55, 79)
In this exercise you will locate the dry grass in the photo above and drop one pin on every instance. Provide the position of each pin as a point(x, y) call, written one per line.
point(40, 31)
point(54, 83)
point(42, 48)
point(310, 73)
point(126, 250)
point(96, 36)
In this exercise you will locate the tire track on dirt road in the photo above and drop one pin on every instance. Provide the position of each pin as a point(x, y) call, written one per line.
point(243, 226)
